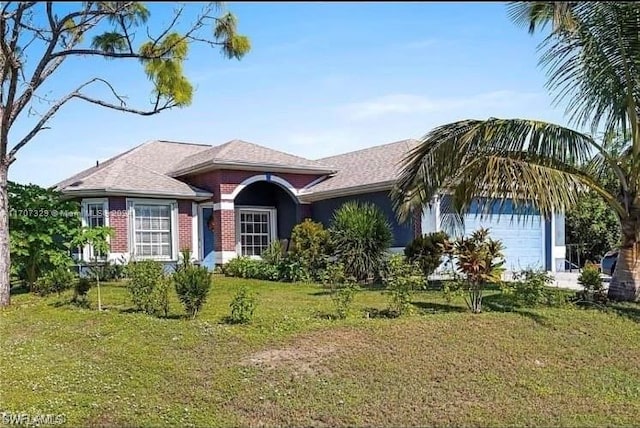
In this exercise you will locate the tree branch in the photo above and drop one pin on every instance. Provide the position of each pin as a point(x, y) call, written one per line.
point(122, 106)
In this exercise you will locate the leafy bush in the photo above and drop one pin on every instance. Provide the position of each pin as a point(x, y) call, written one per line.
point(148, 286)
point(591, 282)
point(360, 235)
point(39, 242)
point(311, 243)
point(192, 285)
point(242, 306)
point(246, 267)
point(531, 288)
point(427, 250)
point(332, 274)
point(292, 269)
point(55, 281)
point(342, 296)
point(107, 270)
point(80, 291)
point(401, 279)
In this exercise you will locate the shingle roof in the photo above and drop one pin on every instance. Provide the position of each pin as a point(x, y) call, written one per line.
point(243, 153)
point(150, 167)
point(370, 166)
point(142, 169)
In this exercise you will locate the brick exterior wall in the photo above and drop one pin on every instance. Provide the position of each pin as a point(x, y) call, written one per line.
point(118, 220)
point(221, 182)
point(185, 226)
point(417, 222)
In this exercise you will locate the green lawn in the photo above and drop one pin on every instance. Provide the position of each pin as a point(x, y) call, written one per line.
point(293, 366)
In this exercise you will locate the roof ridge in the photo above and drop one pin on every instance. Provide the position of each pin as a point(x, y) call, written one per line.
point(223, 147)
point(406, 140)
point(181, 142)
point(102, 165)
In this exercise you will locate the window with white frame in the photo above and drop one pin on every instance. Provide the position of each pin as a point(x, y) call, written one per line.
point(153, 230)
point(94, 215)
point(256, 230)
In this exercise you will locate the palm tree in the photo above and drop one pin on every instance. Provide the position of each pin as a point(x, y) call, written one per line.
point(592, 56)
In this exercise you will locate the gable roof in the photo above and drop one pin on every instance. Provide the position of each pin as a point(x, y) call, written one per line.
point(374, 168)
point(239, 154)
point(141, 170)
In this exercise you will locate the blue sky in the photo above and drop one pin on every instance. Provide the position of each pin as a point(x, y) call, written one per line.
point(321, 79)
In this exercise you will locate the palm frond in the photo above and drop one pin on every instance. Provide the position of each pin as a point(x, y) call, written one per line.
point(537, 14)
point(530, 162)
point(594, 67)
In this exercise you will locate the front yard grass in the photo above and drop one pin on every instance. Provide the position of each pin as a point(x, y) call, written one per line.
point(294, 366)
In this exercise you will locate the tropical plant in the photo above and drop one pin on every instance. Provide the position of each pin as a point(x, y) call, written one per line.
point(192, 286)
point(39, 37)
point(479, 261)
point(42, 226)
point(591, 56)
point(360, 236)
point(428, 251)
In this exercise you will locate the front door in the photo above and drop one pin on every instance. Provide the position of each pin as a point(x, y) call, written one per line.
point(208, 255)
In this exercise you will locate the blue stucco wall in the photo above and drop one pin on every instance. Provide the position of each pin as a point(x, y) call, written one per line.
point(322, 211)
point(265, 194)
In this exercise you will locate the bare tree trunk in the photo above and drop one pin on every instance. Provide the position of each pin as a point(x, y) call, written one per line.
point(5, 261)
point(625, 284)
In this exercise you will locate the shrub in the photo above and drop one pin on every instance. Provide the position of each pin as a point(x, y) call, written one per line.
point(192, 285)
point(332, 274)
point(531, 288)
point(360, 236)
point(242, 306)
point(427, 250)
point(591, 282)
point(246, 267)
point(401, 279)
point(311, 243)
point(55, 281)
point(80, 291)
point(107, 271)
point(342, 296)
point(148, 286)
point(292, 269)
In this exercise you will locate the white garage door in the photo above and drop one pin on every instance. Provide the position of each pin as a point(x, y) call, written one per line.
point(522, 238)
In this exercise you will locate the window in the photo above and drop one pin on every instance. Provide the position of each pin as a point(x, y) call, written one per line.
point(153, 230)
point(95, 214)
point(257, 230)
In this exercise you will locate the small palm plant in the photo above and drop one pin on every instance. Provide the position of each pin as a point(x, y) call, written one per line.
point(479, 259)
point(361, 236)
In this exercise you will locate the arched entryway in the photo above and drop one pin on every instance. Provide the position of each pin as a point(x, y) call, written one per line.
point(264, 211)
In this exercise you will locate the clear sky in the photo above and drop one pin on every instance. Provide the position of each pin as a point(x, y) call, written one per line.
point(321, 79)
